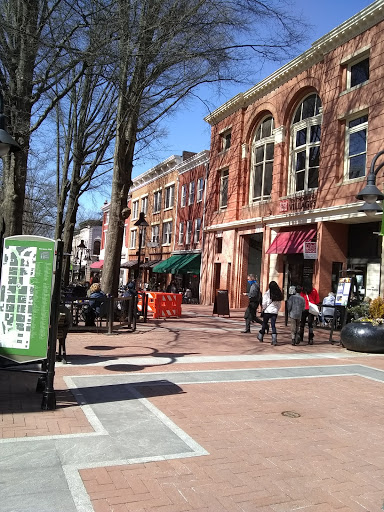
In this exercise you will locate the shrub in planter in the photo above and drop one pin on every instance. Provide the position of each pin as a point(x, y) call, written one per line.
point(366, 332)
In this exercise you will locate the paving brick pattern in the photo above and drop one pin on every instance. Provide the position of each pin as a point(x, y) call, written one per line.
point(329, 458)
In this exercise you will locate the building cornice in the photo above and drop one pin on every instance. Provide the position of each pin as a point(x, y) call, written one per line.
point(332, 213)
point(161, 169)
point(352, 27)
point(199, 159)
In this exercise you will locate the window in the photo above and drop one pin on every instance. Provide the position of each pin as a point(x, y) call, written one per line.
point(224, 188)
point(358, 73)
point(169, 196)
point(219, 245)
point(157, 201)
point(200, 189)
point(262, 160)
point(135, 210)
point(183, 195)
point(96, 248)
point(188, 236)
point(132, 240)
point(155, 234)
point(196, 237)
point(356, 147)
point(144, 204)
point(225, 141)
point(106, 218)
point(191, 198)
point(305, 144)
point(143, 235)
point(167, 232)
point(181, 233)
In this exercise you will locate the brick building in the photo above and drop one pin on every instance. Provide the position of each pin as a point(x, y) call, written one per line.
point(287, 159)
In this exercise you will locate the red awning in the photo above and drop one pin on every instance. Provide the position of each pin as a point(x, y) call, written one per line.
point(291, 241)
point(97, 264)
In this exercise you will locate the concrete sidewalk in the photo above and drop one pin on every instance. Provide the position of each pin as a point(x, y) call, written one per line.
point(190, 415)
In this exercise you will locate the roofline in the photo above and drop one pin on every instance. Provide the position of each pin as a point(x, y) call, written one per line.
point(364, 19)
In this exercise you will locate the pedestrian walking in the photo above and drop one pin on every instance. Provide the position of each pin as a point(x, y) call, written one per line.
point(271, 304)
point(295, 308)
point(254, 295)
point(309, 293)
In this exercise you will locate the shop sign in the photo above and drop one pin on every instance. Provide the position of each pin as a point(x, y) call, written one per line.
point(310, 250)
point(25, 296)
point(299, 203)
point(343, 291)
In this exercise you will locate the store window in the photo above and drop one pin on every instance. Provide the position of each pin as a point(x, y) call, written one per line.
point(262, 160)
point(356, 147)
point(305, 145)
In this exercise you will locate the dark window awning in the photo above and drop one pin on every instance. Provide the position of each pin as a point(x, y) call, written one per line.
point(149, 264)
point(290, 241)
point(180, 264)
point(129, 264)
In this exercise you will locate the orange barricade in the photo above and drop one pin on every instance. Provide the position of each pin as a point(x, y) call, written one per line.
point(163, 305)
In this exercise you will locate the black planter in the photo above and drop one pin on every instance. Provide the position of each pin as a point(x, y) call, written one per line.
point(363, 337)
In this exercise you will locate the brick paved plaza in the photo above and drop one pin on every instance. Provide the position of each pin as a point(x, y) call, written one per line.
point(190, 415)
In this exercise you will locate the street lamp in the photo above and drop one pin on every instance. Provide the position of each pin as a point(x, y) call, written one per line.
point(81, 248)
point(370, 193)
point(7, 143)
point(141, 223)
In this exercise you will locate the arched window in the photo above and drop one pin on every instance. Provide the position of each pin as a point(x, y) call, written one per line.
point(262, 160)
point(305, 145)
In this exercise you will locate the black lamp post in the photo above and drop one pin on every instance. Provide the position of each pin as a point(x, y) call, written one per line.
point(7, 143)
point(81, 248)
point(141, 223)
point(370, 193)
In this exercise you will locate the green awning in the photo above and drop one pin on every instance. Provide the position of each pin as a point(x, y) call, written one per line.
point(180, 264)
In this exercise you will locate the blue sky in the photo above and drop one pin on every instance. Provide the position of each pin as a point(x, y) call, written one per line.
point(187, 129)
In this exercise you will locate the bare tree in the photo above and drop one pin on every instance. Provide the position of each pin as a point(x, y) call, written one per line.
point(165, 49)
point(39, 42)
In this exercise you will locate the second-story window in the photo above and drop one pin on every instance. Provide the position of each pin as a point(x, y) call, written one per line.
point(167, 232)
point(356, 147)
point(155, 234)
point(191, 198)
point(157, 201)
point(169, 196)
point(132, 239)
point(223, 198)
point(358, 73)
point(135, 209)
point(226, 140)
point(262, 160)
point(305, 145)
point(200, 189)
point(188, 235)
point(196, 236)
point(181, 233)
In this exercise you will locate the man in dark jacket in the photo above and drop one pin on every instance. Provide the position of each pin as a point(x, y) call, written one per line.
point(254, 301)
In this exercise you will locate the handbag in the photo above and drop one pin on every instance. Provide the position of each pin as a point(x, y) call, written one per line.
point(313, 309)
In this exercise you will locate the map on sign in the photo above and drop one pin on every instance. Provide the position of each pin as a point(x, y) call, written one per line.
point(25, 295)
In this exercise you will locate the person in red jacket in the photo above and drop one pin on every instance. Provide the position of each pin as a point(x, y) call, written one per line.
point(308, 292)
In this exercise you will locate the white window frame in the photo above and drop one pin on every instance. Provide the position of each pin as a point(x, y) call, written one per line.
point(188, 234)
point(135, 209)
point(144, 204)
point(181, 233)
point(200, 190)
point(191, 196)
point(155, 234)
point(167, 233)
point(353, 63)
point(348, 132)
point(183, 201)
point(157, 197)
point(143, 235)
point(261, 142)
point(196, 235)
point(133, 239)
point(169, 197)
point(224, 179)
point(306, 124)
